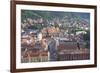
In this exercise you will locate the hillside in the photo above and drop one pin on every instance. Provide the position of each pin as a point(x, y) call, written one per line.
point(49, 15)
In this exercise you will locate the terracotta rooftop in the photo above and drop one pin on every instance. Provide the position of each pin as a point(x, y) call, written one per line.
point(35, 53)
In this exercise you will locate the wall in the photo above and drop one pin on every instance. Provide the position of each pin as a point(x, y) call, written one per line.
point(5, 36)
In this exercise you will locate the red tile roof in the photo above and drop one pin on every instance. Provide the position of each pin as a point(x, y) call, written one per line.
point(35, 54)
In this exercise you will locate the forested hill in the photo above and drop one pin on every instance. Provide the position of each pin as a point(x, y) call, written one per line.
point(49, 15)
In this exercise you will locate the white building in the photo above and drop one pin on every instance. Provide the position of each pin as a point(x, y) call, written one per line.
point(39, 36)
